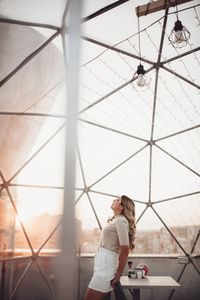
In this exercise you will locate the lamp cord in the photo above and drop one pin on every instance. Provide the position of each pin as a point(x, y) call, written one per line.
point(139, 45)
point(176, 10)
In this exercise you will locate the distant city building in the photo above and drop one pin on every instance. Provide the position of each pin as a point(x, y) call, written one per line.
point(44, 232)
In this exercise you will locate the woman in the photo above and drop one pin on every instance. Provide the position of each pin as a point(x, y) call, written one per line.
point(116, 240)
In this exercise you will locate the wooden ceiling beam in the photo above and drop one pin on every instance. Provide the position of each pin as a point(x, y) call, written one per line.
point(152, 7)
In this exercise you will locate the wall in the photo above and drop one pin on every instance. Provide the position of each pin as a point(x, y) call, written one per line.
point(190, 280)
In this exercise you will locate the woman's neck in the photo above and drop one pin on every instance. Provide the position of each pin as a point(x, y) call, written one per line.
point(117, 214)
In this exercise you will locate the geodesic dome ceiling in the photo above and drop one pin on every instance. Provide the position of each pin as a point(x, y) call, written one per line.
point(143, 142)
point(139, 141)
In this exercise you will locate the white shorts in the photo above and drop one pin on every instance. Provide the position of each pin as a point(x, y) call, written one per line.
point(105, 267)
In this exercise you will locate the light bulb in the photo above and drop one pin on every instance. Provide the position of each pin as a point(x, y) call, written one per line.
point(141, 80)
point(179, 37)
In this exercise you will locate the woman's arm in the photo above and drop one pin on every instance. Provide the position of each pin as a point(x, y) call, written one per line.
point(123, 256)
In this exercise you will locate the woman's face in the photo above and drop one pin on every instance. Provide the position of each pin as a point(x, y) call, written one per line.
point(116, 205)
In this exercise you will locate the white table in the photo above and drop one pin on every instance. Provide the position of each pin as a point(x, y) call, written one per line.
point(149, 282)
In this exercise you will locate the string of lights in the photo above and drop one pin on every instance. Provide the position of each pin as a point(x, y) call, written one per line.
point(114, 103)
point(175, 77)
point(132, 103)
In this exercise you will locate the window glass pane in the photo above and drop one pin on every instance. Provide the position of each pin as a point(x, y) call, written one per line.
point(170, 178)
point(47, 167)
point(101, 150)
point(131, 178)
point(40, 212)
point(90, 231)
point(153, 238)
point(177, 105)
point(185, 147)
point(182, 216)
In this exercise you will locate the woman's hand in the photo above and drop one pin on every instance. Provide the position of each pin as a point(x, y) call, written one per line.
point(115, 279)
point(123, 255)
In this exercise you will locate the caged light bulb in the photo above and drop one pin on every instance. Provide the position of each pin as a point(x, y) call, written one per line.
point(143, 79)
point(179, 35)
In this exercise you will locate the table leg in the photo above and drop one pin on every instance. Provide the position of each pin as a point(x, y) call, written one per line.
point(135, 293)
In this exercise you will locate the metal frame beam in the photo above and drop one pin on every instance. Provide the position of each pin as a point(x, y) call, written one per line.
point(178, 160)
point(103, 10)
point(181, 77)
point(119, 165)
point(155, 101)
point(116, 49)
point(170, 232)
point(113, 130)
point(112, 92)
point(179, 56)
point(39, 149)
point(32, 114)
point(176, 197)
point(177, 133)
point(26, 23)
point(28, 58)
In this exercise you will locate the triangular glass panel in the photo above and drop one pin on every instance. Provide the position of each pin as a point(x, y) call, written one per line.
point(89, 51)
point(128, 110)
point(170, 178)
point(22, 41)
point(185, 147)
point(187, 67)
point(152, 237)
point(193, 291)
point(93, 27)
point(53, 102)
point(47, 166)
point(131, 178)
point(102, 204)
point(183, 219)
point(90, 230)
point(40, 208)
point(99, 79)
point(15, 142)
point(36, 77)
point(149, 39)
point(21, 137)
point(101, 150)
point(35, 282)
point(17, 268)
point(177, 106)
point(127, 30)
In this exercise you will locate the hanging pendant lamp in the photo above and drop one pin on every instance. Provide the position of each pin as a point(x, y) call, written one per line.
point(179, 35)
point(142, 79)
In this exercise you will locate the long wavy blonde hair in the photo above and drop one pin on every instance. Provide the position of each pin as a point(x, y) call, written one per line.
point(129, 213)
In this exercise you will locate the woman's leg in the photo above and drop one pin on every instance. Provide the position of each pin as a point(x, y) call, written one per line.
point(94, 295)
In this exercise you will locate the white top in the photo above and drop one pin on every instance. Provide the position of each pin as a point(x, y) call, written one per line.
point(149, 282)
point(115, 234)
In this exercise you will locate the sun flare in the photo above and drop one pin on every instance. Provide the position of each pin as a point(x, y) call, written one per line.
point(36, 202)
